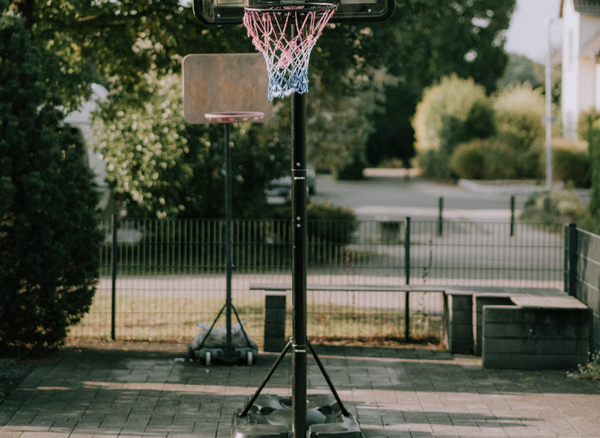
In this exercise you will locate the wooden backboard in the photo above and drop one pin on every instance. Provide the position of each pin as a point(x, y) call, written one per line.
point(224, 82)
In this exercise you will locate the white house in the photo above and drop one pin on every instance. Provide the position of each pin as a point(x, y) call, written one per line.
point(82, 120)
point(580, 60)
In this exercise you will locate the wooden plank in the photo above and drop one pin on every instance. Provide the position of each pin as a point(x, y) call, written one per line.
point(548, 302)
point(346, 287)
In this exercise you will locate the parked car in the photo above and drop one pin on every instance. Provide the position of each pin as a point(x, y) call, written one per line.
point(311, 180)
point(280, 190)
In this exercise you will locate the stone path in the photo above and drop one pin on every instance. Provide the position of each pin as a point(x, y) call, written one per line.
point(138, 390)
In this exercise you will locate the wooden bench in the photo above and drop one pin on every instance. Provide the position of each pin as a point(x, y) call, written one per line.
point(510, 327)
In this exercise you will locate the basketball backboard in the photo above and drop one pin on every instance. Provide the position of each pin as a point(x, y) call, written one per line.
point(350, 11)
point(224, 82)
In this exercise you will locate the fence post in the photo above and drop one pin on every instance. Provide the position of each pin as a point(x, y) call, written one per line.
point(407, 274)
point(440, 216)
point(571, 285)
point(512, 215)
point(115, 259)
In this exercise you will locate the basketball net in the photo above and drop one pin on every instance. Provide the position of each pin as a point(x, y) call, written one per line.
point(287, 57)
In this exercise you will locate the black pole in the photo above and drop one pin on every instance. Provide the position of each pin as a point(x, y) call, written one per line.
point(407, 273)
point(266, 379)
point(440, 216)
point(573, 247)
point(343, 409)
point(115, 260)
point(228, 264)
point(512, 215)
point(299, 262)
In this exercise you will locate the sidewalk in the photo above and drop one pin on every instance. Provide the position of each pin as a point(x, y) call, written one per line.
point(116, 389)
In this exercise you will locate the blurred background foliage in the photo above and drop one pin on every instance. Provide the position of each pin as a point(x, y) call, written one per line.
point(366, 82)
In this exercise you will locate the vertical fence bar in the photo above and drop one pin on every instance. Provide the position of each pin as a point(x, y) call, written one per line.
point(512, 215)
point(572, 239)
point(440, 216)
point(113, 295)
point(407, 273)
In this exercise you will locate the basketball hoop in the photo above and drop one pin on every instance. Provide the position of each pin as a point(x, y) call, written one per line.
point(287, 57)
point(234, 116)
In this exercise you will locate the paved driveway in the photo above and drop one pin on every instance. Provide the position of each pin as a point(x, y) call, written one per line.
point(386, 193)
point(138, 390)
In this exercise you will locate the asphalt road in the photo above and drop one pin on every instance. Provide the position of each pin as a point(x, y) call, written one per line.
point(389, 195)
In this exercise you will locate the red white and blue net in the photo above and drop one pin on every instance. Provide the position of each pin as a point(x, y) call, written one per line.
point(286, 50)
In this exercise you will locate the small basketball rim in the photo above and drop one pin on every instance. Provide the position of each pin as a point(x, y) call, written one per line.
point(234, 116)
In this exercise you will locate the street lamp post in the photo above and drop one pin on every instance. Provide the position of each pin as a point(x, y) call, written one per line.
point(548, 119)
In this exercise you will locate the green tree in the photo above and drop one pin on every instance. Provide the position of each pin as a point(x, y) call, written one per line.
point(518, 113)
point(594, 150)
point(394, 135)
point(521, 69)
point(164, 167)
point(452, 112)
point(49, 241)
point(426, 40)
point(124, 44)
point(117, 42)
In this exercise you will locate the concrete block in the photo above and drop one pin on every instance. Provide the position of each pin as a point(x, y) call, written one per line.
point(275, 315)
point(528, 338)
point(531, 362)
point(539, 331)
point(478, 302)
point(460, 324)
point(274, 330)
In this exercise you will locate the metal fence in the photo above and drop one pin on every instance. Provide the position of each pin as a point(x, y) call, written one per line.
point(582, 274)
point(160, 277)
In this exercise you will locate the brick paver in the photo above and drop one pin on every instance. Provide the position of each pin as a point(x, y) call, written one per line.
point(119, 390)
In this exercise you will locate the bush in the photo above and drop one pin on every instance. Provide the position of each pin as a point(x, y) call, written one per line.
point(585, 122)
point(49, 238)
point(330, 228)
point(570, 162)
point(518, 114)
point(594, 150)
point(434, 163)
point(552, 207)
point(484, 159)
point(352, 170)
point(452, 112)
point(529, 163)
point(468, 160)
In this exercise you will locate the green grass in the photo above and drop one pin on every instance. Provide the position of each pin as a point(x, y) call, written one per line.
point(173, 318)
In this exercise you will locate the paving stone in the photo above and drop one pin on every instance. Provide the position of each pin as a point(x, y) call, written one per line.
point(394, 392)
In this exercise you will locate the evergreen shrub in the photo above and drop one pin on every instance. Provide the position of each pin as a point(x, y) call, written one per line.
point(452, 112)
point(49, 238)
point(570, 162)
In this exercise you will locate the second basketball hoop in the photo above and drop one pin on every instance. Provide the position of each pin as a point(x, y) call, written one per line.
point(285, 34)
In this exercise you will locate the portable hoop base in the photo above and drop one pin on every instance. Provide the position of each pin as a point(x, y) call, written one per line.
point(228, 354)
point(271, 416)
point(323, 415)
point(216, 355)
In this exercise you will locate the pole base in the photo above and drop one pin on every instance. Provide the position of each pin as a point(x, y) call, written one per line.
point(271, 417)
point(217, 355)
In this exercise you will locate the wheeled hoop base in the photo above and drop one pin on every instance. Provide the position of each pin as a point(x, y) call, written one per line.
point(216, 355)
point(271, 416)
